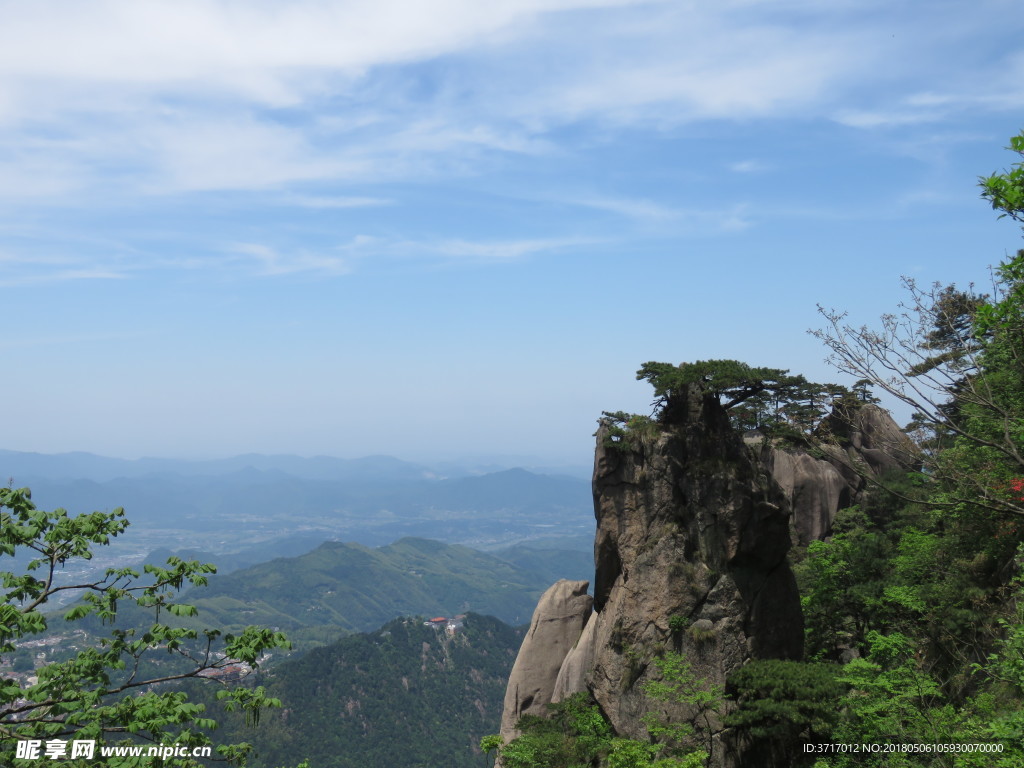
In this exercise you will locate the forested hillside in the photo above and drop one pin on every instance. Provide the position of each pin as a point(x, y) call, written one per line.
point(339, 588)
point(405, 696)
point(349, 587)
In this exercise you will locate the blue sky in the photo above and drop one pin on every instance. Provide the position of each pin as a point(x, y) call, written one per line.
point(455, 228)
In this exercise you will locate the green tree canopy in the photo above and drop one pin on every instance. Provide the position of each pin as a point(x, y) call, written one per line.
point(756, 397)
point(1005, 191)
point(110, 692)
point(732, 381)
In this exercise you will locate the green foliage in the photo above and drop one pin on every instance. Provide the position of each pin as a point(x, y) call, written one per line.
point(403, 696)
point(104, 692)
point(919, 603)
point(677, 623)
point(584, 720)
point(729, 380)
point(577, 734)
point(679, 684)
point(767, 399)
point(629, 430)
point(926, 598)
point(1005, 191)
point(843, 582)
point(542, 745)
point(491, 743)
point(630, 753)
point(893, 699)
point(998, 709)
point(783, 702)
point(1006, 663)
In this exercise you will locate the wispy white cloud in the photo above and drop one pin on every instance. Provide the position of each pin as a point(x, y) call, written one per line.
point(750, 166)
point(239, 151)
point(241, 260)
point(195, 95)
point(269, 53)
point(24, 268)
point(272, 262)
point(684, 220)
point(361, 251)
point(501, 250)
point(336, 202)
point(858, 118)
point(36, 277)
point(638, 209)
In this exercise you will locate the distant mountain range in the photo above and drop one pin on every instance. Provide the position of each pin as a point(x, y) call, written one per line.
point(80, 465)
point(88, 466)
point(402, 695)
point(227, 505)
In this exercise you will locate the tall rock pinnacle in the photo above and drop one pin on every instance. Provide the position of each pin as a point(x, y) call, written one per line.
point(690, 556)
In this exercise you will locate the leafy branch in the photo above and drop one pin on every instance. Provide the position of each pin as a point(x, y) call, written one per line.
point(102, 691)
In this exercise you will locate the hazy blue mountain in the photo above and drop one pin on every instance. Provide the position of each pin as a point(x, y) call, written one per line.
point(229, 505)
point(288, 546)
point(88, 466)
point(550, 564)
point(485, 465)
point(79, 465)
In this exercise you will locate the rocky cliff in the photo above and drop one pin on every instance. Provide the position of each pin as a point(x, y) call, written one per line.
point(690, 555)
point(694, 524)
point(851, 451)
point(557, 623)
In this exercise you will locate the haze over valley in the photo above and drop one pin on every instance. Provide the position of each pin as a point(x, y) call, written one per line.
point(248, 509)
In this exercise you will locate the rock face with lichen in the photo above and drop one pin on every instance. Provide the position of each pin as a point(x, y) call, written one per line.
point(814, 487)
point(690, 555)
point(851, 452)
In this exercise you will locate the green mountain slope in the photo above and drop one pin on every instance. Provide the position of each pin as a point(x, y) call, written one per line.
point(405, 696)
point(356, 588)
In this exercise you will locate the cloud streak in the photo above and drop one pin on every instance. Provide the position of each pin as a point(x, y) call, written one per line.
point(60, 276)
point(498, 251)
point(193, 95)
point(244, 260)
point(322, 202)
